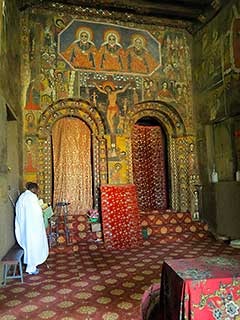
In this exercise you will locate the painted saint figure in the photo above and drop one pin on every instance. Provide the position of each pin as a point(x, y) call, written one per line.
point(81, 53)
point(33, 94)
point(30, 122)
point(61, 85)
point(111, 53)
point(29, 161)
point(138, 57)
point(108, 88)
point(165, 93)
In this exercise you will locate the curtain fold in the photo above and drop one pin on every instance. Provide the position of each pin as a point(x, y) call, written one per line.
point(71, 140)
point(149, 172)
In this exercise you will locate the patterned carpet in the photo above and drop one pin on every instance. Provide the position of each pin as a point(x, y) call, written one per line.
point(88, 282)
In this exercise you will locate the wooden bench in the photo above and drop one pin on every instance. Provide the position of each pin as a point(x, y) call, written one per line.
point(13, 258)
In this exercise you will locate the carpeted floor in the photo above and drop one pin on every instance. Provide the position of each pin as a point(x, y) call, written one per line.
point(88, 282)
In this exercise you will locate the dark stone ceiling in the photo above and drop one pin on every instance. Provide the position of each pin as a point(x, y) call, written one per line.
point(190, 14)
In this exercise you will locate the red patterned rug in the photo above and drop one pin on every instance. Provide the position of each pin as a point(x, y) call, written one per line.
point(88, 282)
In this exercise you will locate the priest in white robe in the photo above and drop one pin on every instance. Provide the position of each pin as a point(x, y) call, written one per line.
point(30, 230)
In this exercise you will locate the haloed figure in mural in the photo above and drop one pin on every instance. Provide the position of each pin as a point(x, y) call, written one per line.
point(108, 88)
point(61, 85)
point(116, 173)
point(30, 122)
point(30, 151)
point(111, 53)
point(139, 58)
point(82, 52)
point(33, 94)
point(164, 92)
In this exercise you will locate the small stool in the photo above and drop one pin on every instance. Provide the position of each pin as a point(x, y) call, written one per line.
point(12, 258)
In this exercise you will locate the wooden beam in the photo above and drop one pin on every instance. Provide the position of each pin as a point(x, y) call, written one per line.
point(167, 8)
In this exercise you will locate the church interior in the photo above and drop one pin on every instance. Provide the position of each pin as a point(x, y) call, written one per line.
point(127, 116)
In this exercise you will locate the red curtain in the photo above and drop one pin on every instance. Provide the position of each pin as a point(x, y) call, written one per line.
point(72, 164)
point(120, 216)
point(149, 172)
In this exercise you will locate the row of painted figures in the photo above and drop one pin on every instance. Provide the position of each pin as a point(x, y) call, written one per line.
point(111, 56)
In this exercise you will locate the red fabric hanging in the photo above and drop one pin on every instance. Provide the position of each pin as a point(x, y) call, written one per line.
point(149, 173)
point(120, 216)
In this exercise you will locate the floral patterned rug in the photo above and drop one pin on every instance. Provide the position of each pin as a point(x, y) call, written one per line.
point(88, 282)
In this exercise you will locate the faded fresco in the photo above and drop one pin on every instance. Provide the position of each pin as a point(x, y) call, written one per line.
point(109, 76)
point(217, 81)
point(217, 60)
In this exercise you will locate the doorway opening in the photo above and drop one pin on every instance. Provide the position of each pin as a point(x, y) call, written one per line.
point(150, 164)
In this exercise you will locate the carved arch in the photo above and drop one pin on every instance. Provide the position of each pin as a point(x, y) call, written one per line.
point(164, 112)
point(89, 114)
point(177, 147)
point(71, 108)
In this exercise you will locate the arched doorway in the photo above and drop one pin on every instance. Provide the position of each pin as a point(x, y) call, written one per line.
point(81, 111)
point(72, 164)
point(177, 145)
point(149, 161)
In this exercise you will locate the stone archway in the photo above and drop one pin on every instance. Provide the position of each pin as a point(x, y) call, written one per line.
point(84, 111)
point(178, 142)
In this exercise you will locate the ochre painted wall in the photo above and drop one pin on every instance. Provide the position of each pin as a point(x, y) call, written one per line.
point(148, 71)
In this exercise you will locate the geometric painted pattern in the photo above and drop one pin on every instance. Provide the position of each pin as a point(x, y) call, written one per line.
point(167, 225)
point(79, 230)
point(86, 281)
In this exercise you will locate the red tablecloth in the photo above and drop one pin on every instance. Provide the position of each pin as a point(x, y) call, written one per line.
point(205, 288)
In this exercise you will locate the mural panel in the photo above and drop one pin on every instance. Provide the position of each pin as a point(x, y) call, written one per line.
point(92, 46)
point(102, 73)
point(217, 81)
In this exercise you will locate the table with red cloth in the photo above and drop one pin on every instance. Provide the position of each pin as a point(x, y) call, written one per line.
point(120, 216)
point(203, 288)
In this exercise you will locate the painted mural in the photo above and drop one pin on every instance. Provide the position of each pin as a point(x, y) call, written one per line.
point(217, 82)
point(110, 76)
point(109, 48)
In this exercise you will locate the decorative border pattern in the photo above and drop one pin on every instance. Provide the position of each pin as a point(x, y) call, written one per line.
point(178, 148)
point(71, 108)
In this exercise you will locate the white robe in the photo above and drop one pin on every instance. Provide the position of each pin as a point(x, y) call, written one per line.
point(30, 230)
